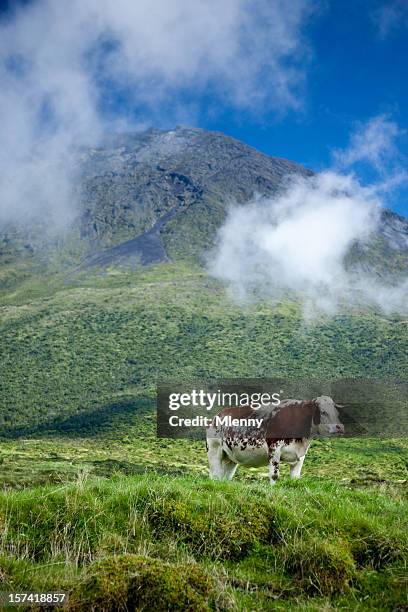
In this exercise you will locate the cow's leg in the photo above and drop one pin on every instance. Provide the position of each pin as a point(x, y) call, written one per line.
point(274, 463)
point(221, 468)
point(214, 454)
point(229, 469)
point(296, 468)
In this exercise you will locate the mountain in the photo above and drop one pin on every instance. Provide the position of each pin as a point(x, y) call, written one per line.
point(160, 195)
point(85, 349)
point(157, 195)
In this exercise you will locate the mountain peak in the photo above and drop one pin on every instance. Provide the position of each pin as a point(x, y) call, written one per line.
point(173, 184)
point(160, 195)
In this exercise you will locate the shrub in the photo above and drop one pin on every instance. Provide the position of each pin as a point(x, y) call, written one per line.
point(131, 582)
point(224, 536)
point(373, 547)
point(320, 567)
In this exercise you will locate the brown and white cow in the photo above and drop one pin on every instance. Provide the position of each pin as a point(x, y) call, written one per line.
point(269, 435)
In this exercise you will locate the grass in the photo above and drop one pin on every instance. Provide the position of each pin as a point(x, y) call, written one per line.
point(88, 346)
point(305, 542)
point(26, 462)
point(94, 504)
point(76, 510)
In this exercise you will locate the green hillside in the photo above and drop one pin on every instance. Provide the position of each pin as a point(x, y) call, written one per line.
point(98, 345)
point(91, 498)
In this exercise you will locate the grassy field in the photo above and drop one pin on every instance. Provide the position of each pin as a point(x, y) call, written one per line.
point(94, 504)
point(313, 544)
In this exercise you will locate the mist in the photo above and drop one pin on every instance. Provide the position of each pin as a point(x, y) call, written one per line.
point(296, 245)
point(71, 72)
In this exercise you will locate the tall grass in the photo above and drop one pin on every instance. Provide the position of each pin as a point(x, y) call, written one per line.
point(305, 542)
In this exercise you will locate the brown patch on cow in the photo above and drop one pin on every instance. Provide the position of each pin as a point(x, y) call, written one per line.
point(294, 420)
point(289, 422)
point(229, 442)
point(241, 412)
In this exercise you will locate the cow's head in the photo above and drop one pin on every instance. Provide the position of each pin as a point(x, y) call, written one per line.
point(326, 420)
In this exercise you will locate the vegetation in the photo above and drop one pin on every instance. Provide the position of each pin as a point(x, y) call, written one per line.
point(204, 544)
point(128, 581)
point(94, 504)
point(97, 345)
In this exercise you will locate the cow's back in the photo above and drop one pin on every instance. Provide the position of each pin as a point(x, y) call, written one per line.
point(291, 419)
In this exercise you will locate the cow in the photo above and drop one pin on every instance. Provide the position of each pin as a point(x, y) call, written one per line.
point(269, 435)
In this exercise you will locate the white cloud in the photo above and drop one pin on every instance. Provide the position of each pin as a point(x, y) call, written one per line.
point(373, 142)
point(296, 245)
point(390, 16)
point(60, 62)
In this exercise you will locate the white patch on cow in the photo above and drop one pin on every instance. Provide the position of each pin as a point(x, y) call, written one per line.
point(287, 402)
point(220, 455)
point(329, 417)
point(291, 453)
point(250, 456)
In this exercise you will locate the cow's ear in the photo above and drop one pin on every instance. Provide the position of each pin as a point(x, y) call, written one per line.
point(316, 413)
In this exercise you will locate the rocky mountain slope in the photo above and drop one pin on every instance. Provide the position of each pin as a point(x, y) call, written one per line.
point(164, 194)
point(161, 195)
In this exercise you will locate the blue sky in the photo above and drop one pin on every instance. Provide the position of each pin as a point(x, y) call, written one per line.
point(294, 79)
point(354, 73)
